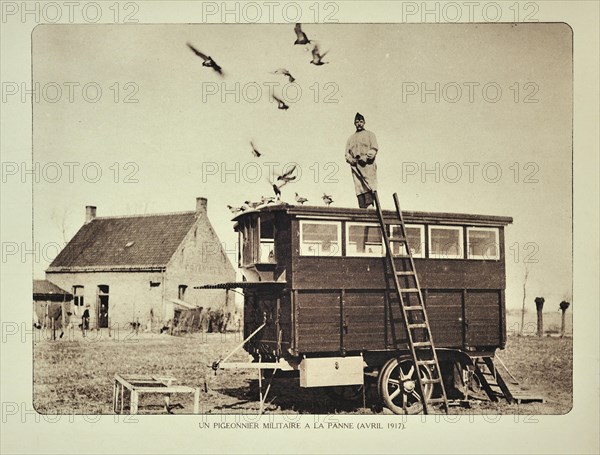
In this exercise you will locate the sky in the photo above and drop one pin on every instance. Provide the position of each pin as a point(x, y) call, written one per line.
point(188, 133)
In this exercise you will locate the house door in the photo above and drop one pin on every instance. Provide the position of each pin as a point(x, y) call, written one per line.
point(102, 306)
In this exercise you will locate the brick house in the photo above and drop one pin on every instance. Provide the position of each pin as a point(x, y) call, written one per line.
point(141, 268)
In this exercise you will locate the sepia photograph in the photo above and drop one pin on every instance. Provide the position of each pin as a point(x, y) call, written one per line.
point(286, 219)
point(333, 218)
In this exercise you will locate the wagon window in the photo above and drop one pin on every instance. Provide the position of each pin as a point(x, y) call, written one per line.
point(363, 239)
point(446, 242)
point(249, 242)
point(483, 243)
point(320, 238)
point(415, 234)
point(267, 241)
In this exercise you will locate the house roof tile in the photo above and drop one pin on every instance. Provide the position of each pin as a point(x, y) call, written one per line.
point(127, 242)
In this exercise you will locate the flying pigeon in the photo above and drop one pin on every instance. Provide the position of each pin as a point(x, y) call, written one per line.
point(300, 200)
point(317, 56)
point(281, 104)
point(327, 199)
point(255, 152)
point(285, 72)
point(287, 177)
point(301, 37)
point(208, 61)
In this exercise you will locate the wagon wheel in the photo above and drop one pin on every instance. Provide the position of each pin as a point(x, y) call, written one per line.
point(398, 386)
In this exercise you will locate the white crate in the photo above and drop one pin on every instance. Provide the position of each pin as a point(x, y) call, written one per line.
point(331, 371)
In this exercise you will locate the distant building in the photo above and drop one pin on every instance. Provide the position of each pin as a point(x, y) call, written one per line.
point(140, 268)
point(48, 300)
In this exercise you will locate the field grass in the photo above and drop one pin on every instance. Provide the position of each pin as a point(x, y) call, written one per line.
point(73, 375)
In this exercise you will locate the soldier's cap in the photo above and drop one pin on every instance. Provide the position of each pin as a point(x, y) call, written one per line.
point(358, 116)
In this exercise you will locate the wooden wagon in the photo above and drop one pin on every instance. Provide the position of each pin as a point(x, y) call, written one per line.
point(317, 296)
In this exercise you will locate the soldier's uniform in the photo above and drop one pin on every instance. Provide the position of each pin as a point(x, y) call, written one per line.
point(361, 150)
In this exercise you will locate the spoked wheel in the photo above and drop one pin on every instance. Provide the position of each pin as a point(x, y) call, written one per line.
point(398, 386)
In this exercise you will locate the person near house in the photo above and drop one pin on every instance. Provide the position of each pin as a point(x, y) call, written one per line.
point(361, 150)
point(85, 319)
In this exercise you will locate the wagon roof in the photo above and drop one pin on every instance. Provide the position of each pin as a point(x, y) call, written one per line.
point(241, 285)
point(355, 214)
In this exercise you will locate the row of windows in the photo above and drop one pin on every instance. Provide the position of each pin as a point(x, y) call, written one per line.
point(324, 238)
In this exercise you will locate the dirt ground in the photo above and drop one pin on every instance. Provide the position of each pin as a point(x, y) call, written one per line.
point(74, 375)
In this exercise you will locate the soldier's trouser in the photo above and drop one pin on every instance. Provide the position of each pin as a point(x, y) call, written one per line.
point(365, 200)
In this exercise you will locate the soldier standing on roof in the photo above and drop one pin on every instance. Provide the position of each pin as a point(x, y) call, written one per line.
point(361, 149)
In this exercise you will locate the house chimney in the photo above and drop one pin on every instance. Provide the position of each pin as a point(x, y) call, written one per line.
point(90, 213)
point(201, 203)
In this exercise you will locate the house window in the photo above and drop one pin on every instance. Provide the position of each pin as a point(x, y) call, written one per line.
point(363, 239)
point(483, 243)
point(181, 293)
point(320, 238)
point(78, 296)
point(446, 242)
point(415, 235)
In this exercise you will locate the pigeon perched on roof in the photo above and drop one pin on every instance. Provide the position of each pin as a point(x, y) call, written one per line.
point(300, 200)
point(208, 61)
point(266, 200)
point(252, 205)
point(327, 199)
point(235, 209)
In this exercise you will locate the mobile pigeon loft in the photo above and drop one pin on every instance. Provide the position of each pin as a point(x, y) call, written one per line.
point(320, 296)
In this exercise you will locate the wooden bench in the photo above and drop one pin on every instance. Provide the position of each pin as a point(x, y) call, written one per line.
point(138, 384)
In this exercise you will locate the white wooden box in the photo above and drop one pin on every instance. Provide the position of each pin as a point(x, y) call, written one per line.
point(331, 371)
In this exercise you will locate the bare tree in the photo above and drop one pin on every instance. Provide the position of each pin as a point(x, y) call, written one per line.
point(60, 219)
point(563, 307)
point(524, 298)
point(539, 305)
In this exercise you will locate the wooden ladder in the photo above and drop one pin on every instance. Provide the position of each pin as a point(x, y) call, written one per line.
point(406, 284)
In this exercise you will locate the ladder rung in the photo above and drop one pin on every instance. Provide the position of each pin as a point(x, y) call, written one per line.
point(397, 239)
point(406, 290)
point(405, 273)
point(419, 344)
point(417, 326)
point(430, 381)
point(413, 308)
point(426, 362)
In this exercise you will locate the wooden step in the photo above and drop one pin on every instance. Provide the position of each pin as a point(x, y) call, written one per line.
point(436, 400)
point(397, 239)
point(413, 308)
point(419, 344)
point(405, 273)
point(417, 326)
